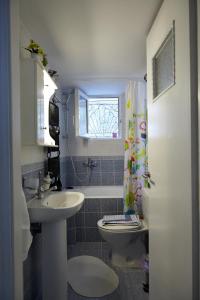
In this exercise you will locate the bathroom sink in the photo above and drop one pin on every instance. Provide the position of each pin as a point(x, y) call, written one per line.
point(55, 206)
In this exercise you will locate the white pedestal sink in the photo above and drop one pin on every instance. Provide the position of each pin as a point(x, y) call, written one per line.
point(52, 212)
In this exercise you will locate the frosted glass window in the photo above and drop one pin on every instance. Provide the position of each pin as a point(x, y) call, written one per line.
point(103, 117)
point(164, 65)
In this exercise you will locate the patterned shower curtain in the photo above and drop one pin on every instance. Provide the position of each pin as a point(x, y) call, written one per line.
point(135, 147)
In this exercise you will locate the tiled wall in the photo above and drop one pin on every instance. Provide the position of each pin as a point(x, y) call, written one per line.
point(83, 226)
point(108, 171)
point(32, 170)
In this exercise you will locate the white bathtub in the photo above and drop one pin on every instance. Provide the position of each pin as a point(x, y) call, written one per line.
point(100, 191)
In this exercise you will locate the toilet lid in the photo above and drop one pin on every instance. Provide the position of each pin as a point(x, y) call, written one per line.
point(120, 227)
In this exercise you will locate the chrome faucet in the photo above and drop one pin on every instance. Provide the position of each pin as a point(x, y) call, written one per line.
point(90, 163)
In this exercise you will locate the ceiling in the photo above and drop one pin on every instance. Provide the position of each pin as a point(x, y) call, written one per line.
point(97, 45)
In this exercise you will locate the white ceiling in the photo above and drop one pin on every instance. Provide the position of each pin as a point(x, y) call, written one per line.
point(94, 44)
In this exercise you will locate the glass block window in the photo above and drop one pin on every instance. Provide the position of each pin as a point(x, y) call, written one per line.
point(164, 65)
point(103, 117)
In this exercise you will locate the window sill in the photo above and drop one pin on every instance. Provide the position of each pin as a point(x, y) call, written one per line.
point(100, 138)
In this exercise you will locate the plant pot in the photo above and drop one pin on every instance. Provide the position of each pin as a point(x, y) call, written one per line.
point(36, 57)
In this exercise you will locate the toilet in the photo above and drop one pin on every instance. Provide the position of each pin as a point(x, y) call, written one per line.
point(127, 243)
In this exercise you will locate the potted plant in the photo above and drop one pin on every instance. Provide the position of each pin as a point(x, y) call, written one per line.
point(35, 50)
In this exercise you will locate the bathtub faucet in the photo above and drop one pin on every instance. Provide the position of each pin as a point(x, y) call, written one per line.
point(90, 163)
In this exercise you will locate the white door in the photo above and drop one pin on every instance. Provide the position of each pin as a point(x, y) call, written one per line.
point(171, 200)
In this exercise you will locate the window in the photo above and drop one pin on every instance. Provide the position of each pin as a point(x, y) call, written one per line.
point(164, 65)
point(97, 117)
point(103, 117)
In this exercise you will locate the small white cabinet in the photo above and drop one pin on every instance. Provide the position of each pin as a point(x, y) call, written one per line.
point(37, 88)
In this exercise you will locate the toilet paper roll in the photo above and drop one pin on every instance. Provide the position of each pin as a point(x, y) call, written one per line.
point(25, 225)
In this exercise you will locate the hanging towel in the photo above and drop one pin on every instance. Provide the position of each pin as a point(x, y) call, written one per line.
point(26, 234)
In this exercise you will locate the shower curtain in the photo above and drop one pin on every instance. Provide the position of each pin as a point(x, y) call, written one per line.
point(135, 159)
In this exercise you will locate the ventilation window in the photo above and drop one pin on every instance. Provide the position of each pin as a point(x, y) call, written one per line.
point(164, 65)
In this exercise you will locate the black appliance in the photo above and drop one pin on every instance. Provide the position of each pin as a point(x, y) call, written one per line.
point(54, 128)
point(54, 153)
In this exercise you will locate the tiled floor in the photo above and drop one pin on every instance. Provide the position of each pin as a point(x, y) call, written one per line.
point(130, 287)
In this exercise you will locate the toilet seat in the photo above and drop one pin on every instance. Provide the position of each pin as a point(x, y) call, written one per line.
point(121, 228)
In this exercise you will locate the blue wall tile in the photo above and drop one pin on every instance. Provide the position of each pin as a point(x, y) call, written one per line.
point(80, 166)
point(91, 219)
point(107, 165)
point(119, 165)
point(95, 179)
point(93, 235)
point(104, 164)
point(81, 179)
point(71, 222)
point(80, 219)
point(120, 206)
point(108, 179)
point(118, 178)
point(71, 236)
point(109, 205)
point(69, 180)
point(80, 234)
point(92, 205)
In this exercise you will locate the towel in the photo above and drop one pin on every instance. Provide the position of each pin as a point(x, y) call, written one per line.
point(26, 234)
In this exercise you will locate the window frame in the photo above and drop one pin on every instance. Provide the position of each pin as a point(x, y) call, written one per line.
point(119, 118)
point(80, 94)
point(171, 33)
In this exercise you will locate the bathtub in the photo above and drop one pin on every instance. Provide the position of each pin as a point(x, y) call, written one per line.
point(100, 191)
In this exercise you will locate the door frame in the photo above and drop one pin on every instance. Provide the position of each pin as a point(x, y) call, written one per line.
point(6, 203)
point(198, 84)
point(193, 19)
point(11, 283)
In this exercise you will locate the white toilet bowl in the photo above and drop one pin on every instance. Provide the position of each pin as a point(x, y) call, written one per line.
point(126, 243)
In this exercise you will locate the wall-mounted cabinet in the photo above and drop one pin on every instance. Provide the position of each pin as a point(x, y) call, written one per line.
point(37, 88)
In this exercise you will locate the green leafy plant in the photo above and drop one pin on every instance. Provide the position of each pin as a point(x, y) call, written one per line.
point(34, 47)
